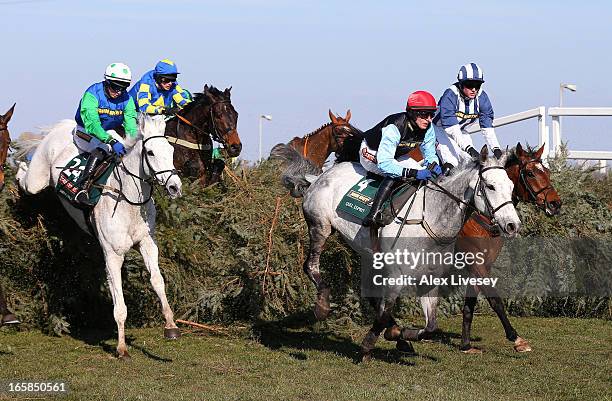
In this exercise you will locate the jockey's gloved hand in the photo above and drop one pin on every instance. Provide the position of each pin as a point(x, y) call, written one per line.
point(423, 174)
point(437, 170)
point(473, 153)
point(411, 173)
point(498, 153)
point(172, 111)
point(118, 147)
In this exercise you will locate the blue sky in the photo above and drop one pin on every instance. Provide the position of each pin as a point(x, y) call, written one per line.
point(295, 60)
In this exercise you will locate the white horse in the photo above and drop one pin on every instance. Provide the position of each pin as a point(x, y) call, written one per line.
point(483, 186)
point(124, 217)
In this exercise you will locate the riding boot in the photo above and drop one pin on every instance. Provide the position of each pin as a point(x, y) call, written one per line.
point(217, 168)
point(384, 190)
point(86, 179)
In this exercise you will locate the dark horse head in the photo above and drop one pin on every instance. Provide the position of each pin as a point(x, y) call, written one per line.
point(5, 140)
point(210, 116)
point(532, 179)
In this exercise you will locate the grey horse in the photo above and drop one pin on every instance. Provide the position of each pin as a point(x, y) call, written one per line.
point(482, 186)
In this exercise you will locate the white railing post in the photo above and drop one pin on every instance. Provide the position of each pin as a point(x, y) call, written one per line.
point(556, 134)
point(603, 166)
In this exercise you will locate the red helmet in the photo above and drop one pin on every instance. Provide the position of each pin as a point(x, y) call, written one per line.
point(421, 100)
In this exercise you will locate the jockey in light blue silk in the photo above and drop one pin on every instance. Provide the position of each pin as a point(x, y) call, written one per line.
point(463, 103)
point(158, 92)
point(384, 150)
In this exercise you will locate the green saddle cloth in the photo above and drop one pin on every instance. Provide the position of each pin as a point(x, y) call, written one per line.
point(358, 200)
point(66, 184)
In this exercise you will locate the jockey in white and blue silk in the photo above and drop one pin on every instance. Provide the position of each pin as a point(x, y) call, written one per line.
point(385, 147)
point(463, 103)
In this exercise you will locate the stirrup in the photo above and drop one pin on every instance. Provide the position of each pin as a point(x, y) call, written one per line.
point(82, 198)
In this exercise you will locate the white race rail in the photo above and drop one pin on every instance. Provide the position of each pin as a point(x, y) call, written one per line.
point(543, 131)
point(556, 112)
point(539, 112)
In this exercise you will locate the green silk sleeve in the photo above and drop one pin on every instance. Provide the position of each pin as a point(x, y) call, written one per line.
point(91, 118)
point(129, 119)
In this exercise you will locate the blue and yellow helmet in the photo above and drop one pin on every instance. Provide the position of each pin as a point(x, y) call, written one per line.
point(166, 67)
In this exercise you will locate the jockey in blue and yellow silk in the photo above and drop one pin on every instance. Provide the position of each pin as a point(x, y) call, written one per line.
point(463, 103)
point(157, 92)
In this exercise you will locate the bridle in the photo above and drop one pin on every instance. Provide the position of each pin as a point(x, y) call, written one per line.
point(494, 227)
point(334, 134)
point(532, 193)
point(151, 180)
point(3, 130)
point(215, 135)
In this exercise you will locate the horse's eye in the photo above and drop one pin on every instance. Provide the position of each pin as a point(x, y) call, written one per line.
point(530, 174)
point(490, 187)
point(150, 153)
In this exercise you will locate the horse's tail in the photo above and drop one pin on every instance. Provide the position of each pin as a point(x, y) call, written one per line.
point(299, 172)
point(349, 151)
point(27, 142)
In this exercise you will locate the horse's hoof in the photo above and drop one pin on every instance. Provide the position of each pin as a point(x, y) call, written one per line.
point(392, 333)
point(472, 351)
point(521, 345)
point(405, 346)
point(366, 356)
point(125, 357)
point(10, 319)
point(410, 334)
point(172, 333)
point(322, 308)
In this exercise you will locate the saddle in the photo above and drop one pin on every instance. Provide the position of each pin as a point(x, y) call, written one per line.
point(358, 200)
point(66, 184)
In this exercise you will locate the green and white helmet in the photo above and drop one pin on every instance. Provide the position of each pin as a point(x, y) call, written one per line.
point(119, 73)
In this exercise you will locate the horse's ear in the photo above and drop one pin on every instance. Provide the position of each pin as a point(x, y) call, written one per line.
point(519, 150)
point(538, 154)
point(484, 153)
point(205, 88)
point(9, 114)
point(228, 90)
point(348, 115)
point(332, 117)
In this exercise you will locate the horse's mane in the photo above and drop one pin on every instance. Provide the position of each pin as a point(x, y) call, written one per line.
point(321, 128)
point(513, 157)
point(199, 98)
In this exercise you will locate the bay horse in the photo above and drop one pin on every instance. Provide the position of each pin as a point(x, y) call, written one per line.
point(5, 140)
point(210, 116)
point(124, 217)
point(532, 184)
point(319, 144)
point(484, 186)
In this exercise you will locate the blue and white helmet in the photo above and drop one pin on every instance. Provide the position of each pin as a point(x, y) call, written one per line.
point(470, 72)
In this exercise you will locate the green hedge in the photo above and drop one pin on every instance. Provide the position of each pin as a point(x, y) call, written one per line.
point(229, 253)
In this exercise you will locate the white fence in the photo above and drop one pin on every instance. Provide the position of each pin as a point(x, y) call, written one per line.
point(543, 130)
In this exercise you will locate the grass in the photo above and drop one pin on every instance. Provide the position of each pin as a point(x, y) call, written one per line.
point(280, 360)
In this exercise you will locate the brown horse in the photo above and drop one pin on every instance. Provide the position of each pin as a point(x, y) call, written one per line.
point(210, 116)
point(5, 139)
point(531, 184)
point(319, 144)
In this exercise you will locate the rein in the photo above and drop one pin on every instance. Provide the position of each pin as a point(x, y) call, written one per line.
point(198, 146)
point(494, 227)
point(150, 180)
